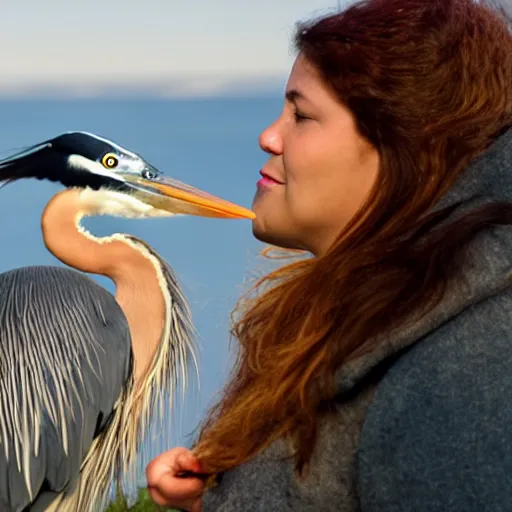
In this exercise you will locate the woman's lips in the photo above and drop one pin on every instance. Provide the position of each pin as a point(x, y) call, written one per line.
point(268, 181)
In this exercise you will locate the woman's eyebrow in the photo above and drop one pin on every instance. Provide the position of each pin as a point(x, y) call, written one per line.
point(292, 95)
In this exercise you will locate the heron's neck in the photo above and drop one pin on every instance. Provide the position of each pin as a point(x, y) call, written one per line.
point(138, 290)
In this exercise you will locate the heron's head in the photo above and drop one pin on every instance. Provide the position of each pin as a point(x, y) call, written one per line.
point(115, 180)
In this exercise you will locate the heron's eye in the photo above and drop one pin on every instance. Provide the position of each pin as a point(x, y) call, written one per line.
point(110, 160)
point(149, 175)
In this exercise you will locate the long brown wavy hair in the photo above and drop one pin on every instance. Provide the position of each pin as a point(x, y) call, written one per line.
point(430, 85)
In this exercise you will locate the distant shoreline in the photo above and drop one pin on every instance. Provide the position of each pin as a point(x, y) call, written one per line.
point(180, 88)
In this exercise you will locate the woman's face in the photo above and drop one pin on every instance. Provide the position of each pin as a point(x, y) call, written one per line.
point(319, 171)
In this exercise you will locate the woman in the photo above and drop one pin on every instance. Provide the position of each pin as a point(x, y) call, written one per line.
point(375, 375)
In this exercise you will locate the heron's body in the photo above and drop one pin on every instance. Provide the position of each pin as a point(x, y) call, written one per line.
point(82, 371)
point(83, 340)
point(48, 444)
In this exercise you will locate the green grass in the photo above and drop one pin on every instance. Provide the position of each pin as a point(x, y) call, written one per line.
point(143, 503)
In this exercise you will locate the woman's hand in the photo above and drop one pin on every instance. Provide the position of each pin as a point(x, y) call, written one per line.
point(171, 482)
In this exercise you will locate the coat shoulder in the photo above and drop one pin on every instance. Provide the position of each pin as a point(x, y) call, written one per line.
point(437, 434)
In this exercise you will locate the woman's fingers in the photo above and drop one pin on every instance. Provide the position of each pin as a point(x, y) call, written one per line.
point(168, 488)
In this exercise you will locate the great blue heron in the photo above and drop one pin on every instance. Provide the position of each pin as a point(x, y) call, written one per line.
point(81, 370)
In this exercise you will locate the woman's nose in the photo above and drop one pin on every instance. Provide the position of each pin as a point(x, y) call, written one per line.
point(271, 140)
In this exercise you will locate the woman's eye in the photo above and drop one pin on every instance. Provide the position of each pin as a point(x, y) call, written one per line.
point(299, 117)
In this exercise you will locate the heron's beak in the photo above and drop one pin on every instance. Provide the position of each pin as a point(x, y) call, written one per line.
point(176, 197)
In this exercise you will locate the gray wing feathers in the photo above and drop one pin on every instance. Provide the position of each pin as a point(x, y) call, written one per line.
point(65, 354)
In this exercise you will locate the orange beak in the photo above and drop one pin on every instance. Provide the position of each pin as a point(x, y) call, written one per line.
point(179, 198)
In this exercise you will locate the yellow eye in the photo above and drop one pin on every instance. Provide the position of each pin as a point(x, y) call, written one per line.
point(110, 161)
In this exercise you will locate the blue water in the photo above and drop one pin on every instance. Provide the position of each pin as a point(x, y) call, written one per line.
point(211, 144)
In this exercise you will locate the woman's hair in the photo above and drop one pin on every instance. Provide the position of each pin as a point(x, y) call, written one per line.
point(429, 83)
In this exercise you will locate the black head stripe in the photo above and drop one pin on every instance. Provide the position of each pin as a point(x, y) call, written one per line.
point(82, 144)
point(48, 164)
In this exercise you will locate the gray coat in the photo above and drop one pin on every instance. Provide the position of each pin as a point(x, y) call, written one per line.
point(424, 422)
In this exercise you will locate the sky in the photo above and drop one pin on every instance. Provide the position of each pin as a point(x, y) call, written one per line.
point(173, 46)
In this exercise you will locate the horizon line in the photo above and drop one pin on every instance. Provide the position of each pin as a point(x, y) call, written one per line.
point(162, 87)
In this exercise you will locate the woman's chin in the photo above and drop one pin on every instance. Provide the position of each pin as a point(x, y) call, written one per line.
point(272, 237)
point(259, 231)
